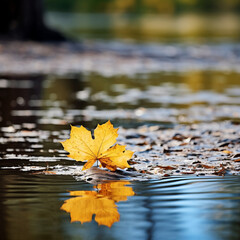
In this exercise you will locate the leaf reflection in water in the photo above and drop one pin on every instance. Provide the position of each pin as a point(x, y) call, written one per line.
point(100, 202)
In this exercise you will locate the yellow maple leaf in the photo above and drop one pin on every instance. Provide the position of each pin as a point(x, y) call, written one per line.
point(82, 147)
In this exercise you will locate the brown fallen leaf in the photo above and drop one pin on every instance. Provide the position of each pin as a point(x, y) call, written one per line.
point(236, 155)
point(142, 143)
point(206, 166)
point(49, 172)
point(183, 144)
point(221, 172)
point(187, 172)
point(132, 162)
point(179, 137)
point(166, 167)
point(215, 149)
point(166, 175)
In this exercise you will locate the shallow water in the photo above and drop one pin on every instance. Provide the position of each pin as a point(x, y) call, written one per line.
point(35, 116)
point(198, 96)
point(183, 208)
point(36, 113)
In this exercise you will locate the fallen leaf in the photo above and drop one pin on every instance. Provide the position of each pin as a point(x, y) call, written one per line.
point(82, 147)
point(188, 172)
point(236, 155)
point(205, 166)
point(166, 167)
point(166, 175)
point(132, 162)
point(221, 172)
point(227, 152)
point(49, 172)
point(196, 162)
point(179, 137)
point(183, 144)
point(142, 143)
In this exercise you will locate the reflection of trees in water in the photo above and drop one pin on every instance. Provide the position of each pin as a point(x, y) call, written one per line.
point(144, 6)
point(3, 222)
point(62, 95)
point(226, 212)
point(165, 209)
point(15, 95)
point(30, 93)
point(29, 105)
point(210, 81)
point(113, 91)
point(64, 90)
point(58, 97)
point(28, 208)
point(183, 208)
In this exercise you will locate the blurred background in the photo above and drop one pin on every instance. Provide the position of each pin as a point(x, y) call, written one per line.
point(147, 20)
point(148, 61)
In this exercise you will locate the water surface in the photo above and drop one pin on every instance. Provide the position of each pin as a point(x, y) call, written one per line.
point(183, 208)
point(36, 112)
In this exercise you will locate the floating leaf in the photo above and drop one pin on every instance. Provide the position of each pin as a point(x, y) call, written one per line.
point(82, 147)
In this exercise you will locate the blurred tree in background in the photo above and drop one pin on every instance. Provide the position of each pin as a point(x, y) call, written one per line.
point(144, 6)
point(24, 19)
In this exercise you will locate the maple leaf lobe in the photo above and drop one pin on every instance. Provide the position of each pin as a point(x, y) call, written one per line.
point(82, 147)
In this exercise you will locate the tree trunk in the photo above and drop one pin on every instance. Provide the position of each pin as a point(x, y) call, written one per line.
point(23, 19)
